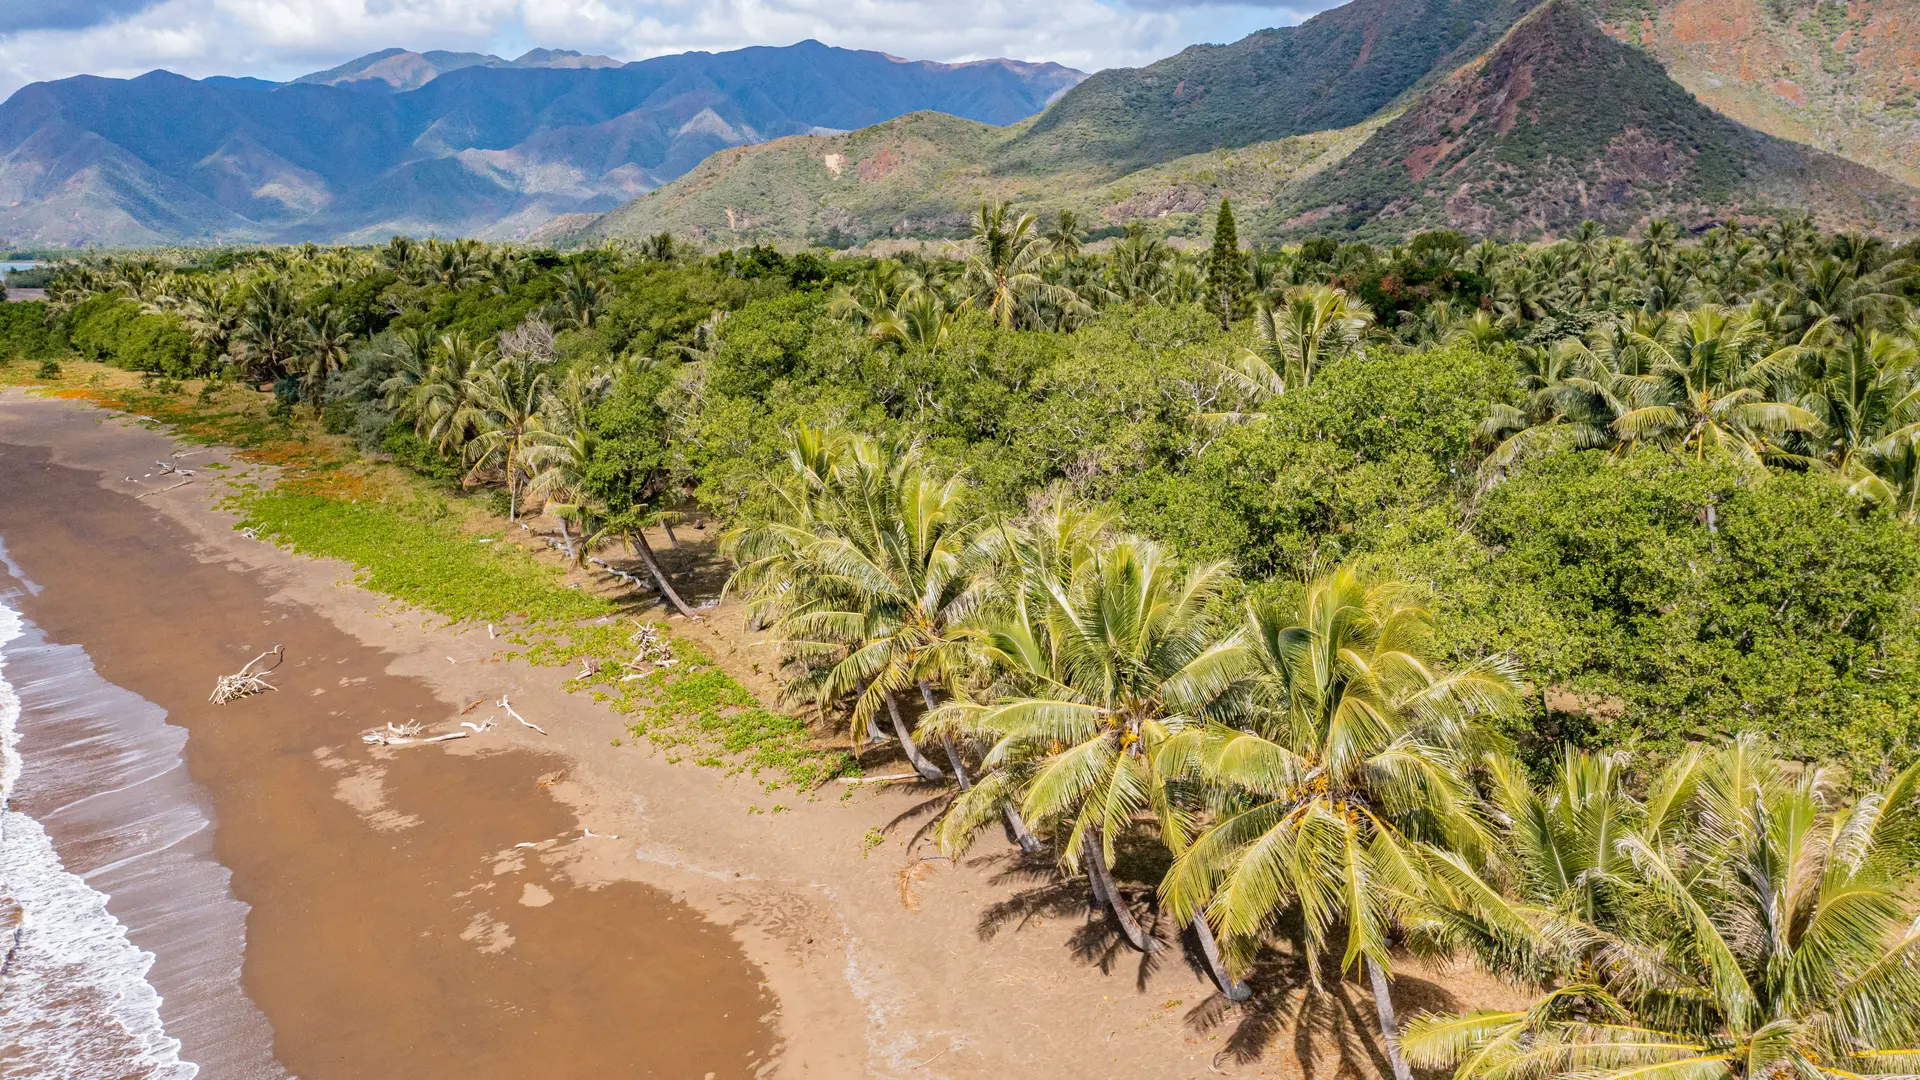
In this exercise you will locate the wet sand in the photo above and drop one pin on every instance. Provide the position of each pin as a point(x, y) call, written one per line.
point(395, 929)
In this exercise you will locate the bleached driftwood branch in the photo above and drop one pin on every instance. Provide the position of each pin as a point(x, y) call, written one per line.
point(247, 682)
point(524, 722)
point(411, 733)
point(156, 491)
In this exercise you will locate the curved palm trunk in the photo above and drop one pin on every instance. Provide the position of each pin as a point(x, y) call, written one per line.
point(659, 574)
point(1210, 949)
point(566, 540)
point(1389, 1026)
point(927, 769)
point(1017, 825)
point(1104, 889)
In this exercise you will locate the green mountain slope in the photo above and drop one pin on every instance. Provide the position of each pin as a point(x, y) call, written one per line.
point(1560, 122)
point(1332, 71)
point(924, 175)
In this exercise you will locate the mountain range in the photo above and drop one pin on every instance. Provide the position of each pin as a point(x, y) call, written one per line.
point(438, 143)
point(1380, 117)
point(1375, 118)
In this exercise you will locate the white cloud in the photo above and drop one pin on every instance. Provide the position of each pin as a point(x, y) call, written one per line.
point(279, 39)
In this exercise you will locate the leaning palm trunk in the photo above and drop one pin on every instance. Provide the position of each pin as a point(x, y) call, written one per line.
point(1017, 825)
point(566, 540)
point(1389, 1026)
point(645, 550)
point(1105, 890)
point(1210, 950)
point(927, 769)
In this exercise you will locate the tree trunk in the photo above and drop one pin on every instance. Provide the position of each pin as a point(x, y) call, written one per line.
point(1389, 1027)
point(659, 575)
point(1116, 903)
point(566, 539)
point(1022, 835)
point(1230, 986)
point(671, 539)
point(927, 769)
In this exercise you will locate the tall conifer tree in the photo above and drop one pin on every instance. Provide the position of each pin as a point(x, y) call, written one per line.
point(1226, 266)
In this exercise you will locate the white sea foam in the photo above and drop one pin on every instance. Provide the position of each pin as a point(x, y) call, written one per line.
point(74, 997)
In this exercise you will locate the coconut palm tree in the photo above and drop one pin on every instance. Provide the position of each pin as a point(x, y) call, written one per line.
point(1063, 237)
point(326, 344)
point(501, 404)
point(1353, 755)
point(434, 401)
point(920, 320)
point(1756, 925)
point(1859, 389)
point(1105, 658)
point(1313, 325)
point(1572, 401)
point(854, 521)
point(1708, 390)
point(270, 328)
point(583, 296)
point(212, 312)
point(1004, 263)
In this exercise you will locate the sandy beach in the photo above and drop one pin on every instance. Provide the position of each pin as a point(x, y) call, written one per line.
point(441, 911)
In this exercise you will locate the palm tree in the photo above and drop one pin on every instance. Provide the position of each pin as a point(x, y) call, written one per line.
point(1860, 390)
point(1708, 388)
point(831, 567)
point(1141, 269)
point(920, 320)
point(434, 401)
point(270, 328)
point(1314, 325)
point(327, 342)
point(501, 404)
point(213, 315)
point(1004, 265)
point(868, 298)
point(399, 254)
point(582, 297)
point(1751, 925)
point(1103, 661)
point(1353, 755)
point(1572, 401)
point(1063, 237)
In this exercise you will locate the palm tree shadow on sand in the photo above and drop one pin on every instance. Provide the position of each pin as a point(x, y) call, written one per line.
point(1330, 1029)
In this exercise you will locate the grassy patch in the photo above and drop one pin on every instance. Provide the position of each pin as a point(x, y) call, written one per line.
point(416, 546)
point(694, 709)
point(416, 552)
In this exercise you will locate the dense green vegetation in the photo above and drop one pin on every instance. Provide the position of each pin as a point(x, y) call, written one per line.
point(1285, 616)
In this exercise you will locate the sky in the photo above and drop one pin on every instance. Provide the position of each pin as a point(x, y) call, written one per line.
point(280, 39)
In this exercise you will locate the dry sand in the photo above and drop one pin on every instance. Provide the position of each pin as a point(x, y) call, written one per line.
point(398, 931)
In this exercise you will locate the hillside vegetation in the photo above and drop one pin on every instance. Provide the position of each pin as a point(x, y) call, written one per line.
point(1332, 71)
point(924, 177)
point(1559, 123)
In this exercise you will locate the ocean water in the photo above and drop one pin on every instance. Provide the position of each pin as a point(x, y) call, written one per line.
point(121, 958)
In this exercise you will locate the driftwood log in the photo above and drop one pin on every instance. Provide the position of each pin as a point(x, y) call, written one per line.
point(246, 682)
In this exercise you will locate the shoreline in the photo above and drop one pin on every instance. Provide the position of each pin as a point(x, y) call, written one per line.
point(877, 961)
